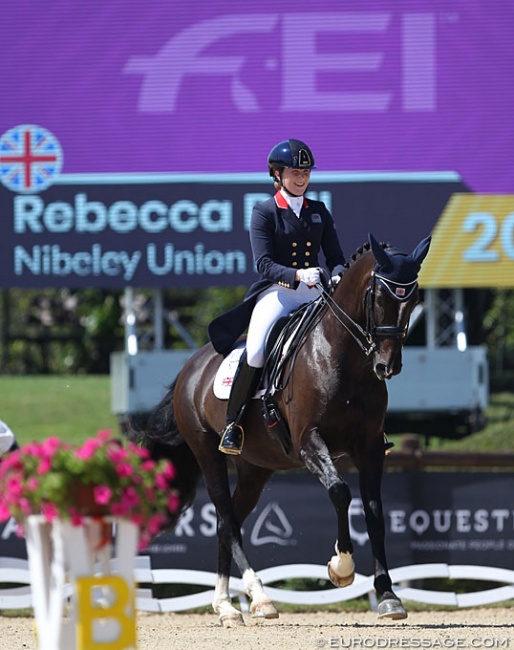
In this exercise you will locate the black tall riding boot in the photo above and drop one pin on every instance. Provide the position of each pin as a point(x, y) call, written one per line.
point(244, 385)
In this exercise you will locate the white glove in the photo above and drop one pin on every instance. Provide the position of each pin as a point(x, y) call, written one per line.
point(337, 274)
point(310, 276)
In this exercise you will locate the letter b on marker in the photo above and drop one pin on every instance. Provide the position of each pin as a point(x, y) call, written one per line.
point(91, 611)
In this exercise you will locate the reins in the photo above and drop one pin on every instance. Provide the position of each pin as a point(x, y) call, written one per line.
point(368, 345)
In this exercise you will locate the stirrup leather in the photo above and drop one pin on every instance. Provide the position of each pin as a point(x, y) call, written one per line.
point(234, 450)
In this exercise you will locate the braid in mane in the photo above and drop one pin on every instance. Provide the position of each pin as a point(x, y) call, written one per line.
point(361, 250)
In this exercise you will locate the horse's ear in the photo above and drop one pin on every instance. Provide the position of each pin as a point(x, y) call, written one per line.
point(380, 254)
point(421, 250)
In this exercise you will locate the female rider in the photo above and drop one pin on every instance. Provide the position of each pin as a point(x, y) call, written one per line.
point(287, 233)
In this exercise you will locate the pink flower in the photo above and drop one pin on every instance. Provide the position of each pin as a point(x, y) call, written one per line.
point(10, 462)
point(32, 449)
point(130, 498)
point(49, 511)
point(102, 494)
point(161, 482)
point(50, 446)
point(32, 484)
point(141, 452)
point(104, 434)
point(76, 518)
point(155, 524)
point(117, 454)
point(169, 471)
point(5, 514)
point(45, 465)
point(123, 476)
point(14, 487)
point(173, 502)
point(118, 510)
point(25, 506)
point(124, 469)
point(139, 520)
point(88, 449)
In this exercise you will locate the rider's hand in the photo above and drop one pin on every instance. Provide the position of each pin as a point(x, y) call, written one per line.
point(310, 276)
point(338, 273)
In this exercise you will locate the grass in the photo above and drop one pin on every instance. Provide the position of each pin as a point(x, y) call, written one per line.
point(72, 408)
point(498, 434)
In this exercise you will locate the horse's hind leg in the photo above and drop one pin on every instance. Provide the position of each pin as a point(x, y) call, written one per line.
point(214, 468)
point(250, 483)
point(315, 455)
point(370, 479)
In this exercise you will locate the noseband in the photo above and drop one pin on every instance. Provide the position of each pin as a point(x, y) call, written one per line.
point(366, 338)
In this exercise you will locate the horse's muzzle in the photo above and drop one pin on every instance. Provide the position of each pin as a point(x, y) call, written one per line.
point(386, 371)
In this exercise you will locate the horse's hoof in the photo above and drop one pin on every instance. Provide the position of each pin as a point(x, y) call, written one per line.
point(337, 580)
point(232, 620)
point(264, 609)
point(391, 608)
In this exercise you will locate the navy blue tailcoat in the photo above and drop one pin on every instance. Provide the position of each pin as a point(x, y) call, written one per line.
point(281, 244)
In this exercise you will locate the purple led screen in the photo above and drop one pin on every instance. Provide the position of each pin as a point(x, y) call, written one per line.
point(175, 86)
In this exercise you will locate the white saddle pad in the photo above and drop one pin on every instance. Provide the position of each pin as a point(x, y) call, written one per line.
point(227, 370)
point(225, 375)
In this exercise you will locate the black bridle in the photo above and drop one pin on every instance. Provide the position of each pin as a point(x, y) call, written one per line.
point(366, 338)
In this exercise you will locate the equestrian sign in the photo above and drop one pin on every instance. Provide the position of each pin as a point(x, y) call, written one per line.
point(449, 517)
point(149, 230)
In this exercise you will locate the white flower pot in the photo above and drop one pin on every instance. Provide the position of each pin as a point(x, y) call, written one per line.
point(83, 585)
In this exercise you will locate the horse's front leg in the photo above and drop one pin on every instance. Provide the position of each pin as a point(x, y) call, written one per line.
point(316, 457)
point(370, 480)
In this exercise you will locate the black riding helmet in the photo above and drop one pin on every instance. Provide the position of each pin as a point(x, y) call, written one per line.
point(294, 154)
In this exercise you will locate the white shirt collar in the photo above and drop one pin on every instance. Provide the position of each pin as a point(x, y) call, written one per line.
point(294, 202)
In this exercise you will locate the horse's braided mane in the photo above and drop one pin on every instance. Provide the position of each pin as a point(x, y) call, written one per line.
point(361, 250)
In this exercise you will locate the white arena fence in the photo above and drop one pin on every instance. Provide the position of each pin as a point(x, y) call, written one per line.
point(15, 591)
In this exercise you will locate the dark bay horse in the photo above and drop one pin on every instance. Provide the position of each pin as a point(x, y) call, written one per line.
point(334, 403)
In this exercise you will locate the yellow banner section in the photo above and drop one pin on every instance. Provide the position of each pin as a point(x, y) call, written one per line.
point(472, 243)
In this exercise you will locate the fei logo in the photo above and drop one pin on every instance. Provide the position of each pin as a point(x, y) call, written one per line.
point(401, 48)
point(30, 158)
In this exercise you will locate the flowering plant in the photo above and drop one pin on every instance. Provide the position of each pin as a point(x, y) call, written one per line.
point(101, 477)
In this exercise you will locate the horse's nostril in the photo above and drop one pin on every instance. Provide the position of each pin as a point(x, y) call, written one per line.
point(380, 370)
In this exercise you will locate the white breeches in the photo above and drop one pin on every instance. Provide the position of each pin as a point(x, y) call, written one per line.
point(271, 304)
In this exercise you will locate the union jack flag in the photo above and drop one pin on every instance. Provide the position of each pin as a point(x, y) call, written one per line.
point(30, 158)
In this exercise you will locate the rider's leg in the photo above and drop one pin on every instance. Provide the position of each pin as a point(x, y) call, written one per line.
point(272, 303)
point(244, 385)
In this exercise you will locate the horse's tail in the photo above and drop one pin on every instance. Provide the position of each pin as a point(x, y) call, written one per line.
point(163, 440)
